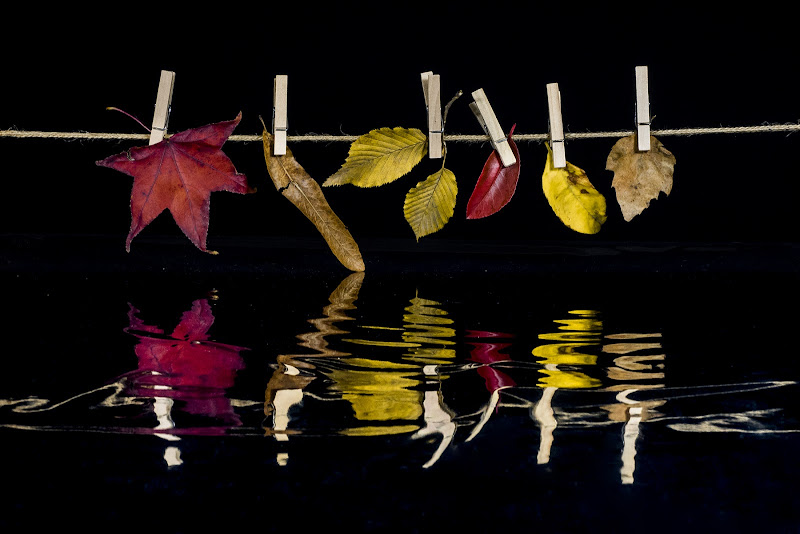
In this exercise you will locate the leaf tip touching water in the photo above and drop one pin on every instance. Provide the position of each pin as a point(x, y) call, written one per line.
point(294, 183)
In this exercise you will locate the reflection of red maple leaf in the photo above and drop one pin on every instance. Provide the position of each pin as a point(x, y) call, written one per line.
point(179, 174)
point(185, 365)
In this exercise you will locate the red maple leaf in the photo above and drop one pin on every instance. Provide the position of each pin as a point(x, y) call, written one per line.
point(178, 174)
point(496, 184)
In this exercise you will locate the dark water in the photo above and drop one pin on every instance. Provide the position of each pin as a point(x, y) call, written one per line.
point(636, 390)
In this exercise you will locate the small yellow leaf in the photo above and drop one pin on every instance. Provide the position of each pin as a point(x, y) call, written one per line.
point(431, 203)
point(573, 197)
point(639, 177)
point(380, 157)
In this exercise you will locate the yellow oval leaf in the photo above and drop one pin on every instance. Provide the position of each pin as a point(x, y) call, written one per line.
point(431, 203)
point(573, 197)
point(380, 157)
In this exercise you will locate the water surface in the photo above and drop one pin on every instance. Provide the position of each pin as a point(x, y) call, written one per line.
point(415, 400)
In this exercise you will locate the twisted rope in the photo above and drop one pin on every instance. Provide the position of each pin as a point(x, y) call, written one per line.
point(458, 138)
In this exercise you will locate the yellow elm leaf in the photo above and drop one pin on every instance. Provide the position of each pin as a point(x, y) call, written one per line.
point(573, 197)
point(430, 204)
point(380, 157)
point(639, 177)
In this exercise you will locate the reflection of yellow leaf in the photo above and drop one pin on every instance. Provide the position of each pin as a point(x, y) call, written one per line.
point(431, 356)
point(583, 325)
point(380, 157)
point(573, 197)
point(639, 177)
point(431, 203)
point(570, 336)
point(380, 430)
point(379, 364)
point(430, 334)
point(564, 354)
point(556, 378)
point(379, 395)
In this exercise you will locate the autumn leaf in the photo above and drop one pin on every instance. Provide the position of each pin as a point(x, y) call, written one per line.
point(294, 183)
point(178, 174)
point(431, 203)
point(639, 177)
point(496, 184)
point(573, 197)
point(186, 365)
point(380, 157)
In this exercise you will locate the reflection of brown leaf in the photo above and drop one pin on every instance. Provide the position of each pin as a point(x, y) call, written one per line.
point(341, 300)
point(632, 336)
point(620, 412)
point(623, 375)
point(638, 363)
point(639, 177)
point(292, 180)
point(625, 348)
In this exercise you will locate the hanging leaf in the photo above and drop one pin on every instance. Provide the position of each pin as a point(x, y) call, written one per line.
point(303, 191)
point(573, 197)
point(431, 203)
point(179, 174)
point(496, 184)
point(380, 157)
point(639, 177)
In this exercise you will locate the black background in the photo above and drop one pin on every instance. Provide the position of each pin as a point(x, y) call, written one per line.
point(355, 66)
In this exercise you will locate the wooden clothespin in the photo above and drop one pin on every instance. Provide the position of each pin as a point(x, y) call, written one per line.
point(433, 102)
point(279, 123)
point(163, 105)
point(485, 114)
point(556, 126)
point(642, 110)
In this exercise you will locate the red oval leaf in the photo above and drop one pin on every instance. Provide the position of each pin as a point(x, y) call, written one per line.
point(496, 184)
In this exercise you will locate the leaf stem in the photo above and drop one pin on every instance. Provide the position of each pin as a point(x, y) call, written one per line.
point(444, 121)
point(111, 108)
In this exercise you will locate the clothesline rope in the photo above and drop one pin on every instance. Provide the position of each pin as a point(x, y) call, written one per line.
point(790, 127)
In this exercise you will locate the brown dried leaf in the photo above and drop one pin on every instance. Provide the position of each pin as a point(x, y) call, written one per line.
point(304, 192)
point(639, 177)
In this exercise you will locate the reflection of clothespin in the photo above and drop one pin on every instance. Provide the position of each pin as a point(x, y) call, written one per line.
point(642, 110)
point(163, 107)
point(279, 123)
point(433, 102)
point(485, 114)
point(556, 126)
